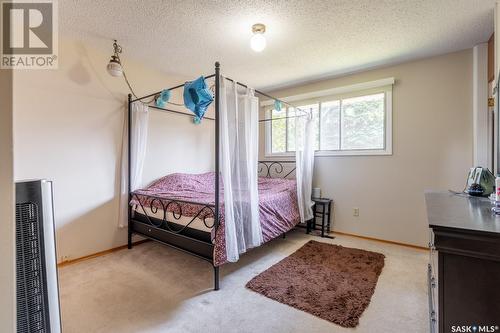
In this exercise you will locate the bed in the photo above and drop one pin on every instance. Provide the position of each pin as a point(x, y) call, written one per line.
point(182, 205)
point(187, 211)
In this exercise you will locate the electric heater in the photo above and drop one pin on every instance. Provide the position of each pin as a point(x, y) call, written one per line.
point(36, 267)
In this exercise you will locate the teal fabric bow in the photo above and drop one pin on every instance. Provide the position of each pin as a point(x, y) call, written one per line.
point(163, 98)
point(277, 105)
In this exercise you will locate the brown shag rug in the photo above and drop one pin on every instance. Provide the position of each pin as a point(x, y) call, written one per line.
point(332, 282)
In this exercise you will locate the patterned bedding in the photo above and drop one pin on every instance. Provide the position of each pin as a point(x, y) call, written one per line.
point(277, 201)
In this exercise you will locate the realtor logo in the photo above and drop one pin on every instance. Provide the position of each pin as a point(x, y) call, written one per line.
point(29, 34)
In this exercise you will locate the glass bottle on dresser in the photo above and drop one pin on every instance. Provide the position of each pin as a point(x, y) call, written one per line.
point(496, 197)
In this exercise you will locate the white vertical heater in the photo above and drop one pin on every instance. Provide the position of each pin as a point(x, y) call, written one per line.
point(37, 292)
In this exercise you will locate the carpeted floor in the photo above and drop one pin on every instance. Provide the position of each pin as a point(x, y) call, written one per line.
point(153, 288)
point(330, 281)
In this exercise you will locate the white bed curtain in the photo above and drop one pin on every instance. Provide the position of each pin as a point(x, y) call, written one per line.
point(239, 135)
point(304, 159)
point(138, 144)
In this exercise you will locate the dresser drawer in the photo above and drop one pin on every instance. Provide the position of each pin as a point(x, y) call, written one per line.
point(467, 243)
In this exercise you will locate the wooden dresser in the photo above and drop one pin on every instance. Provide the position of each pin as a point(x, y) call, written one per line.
point(464, 268)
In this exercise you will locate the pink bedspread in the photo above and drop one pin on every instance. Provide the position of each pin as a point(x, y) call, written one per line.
point(277, 201)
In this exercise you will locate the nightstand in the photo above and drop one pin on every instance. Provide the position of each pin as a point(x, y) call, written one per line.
point(321, 210)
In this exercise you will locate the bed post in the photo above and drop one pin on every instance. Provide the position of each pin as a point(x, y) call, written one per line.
point(217, 166)
point(129, 208)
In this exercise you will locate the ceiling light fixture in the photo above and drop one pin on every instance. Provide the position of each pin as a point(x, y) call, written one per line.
point(115, 66)
point(258, 41)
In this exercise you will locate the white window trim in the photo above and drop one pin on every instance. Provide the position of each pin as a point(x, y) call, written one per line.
point(385, 86)
point(336, 91)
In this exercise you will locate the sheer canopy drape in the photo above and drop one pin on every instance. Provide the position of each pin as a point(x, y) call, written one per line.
point(304, 159)
point(138, 144)
point(239, 120)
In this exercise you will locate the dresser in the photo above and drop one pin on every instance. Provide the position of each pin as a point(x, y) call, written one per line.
point(464, 265)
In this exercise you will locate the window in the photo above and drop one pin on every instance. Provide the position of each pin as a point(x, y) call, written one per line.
point(349, 124)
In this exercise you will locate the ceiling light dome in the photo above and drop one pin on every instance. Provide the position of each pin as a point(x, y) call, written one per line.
point(258, 41)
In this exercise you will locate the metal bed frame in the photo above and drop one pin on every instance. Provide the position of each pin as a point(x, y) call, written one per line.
point(176, 235)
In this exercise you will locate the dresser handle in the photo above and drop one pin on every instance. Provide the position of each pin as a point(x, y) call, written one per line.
point(431, 301)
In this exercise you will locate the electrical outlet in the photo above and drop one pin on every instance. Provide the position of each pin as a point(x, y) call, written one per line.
point(64, 258)
point(355, 212)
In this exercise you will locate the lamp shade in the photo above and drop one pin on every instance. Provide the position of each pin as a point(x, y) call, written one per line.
point(258, 42)
point(114, 67)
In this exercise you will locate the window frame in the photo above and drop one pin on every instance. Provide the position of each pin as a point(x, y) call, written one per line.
point(343, 94)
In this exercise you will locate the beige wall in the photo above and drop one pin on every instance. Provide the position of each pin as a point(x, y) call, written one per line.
point(68, 128)
point(7, 230)
point(432, 149)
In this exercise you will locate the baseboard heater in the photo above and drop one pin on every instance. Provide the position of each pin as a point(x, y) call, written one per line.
point(37, 294)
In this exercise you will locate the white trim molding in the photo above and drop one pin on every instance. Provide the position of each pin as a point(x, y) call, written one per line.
point(335, 91)
point(480, 104)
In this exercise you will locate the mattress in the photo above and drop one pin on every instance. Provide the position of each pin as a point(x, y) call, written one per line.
point(278, 208)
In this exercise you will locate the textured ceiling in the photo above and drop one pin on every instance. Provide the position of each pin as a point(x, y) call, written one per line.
point(306, 40)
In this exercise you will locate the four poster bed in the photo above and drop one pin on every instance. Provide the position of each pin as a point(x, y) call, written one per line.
point(186, 211)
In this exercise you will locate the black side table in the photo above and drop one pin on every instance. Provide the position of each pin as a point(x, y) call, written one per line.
point(324, 213)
